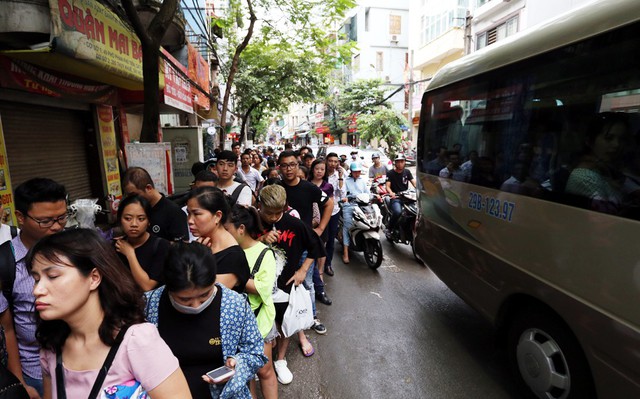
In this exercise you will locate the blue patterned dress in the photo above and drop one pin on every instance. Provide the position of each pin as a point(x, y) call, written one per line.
point(241, 340)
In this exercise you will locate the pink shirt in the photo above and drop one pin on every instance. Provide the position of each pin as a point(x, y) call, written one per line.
point(142, 357)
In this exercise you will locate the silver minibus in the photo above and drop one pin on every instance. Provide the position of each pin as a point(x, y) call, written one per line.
point(535, 221)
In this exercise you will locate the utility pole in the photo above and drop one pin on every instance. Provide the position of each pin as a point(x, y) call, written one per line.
point(467, 33)
point(410, 105)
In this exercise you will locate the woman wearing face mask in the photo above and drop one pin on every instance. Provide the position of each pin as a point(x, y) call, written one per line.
point(205, 324)
point(208, 211)
point(142, 251)
point(89, 310)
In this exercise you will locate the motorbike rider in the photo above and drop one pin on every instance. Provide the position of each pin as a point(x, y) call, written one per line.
point(398, 180)
point(377, 169)
point(355, 184)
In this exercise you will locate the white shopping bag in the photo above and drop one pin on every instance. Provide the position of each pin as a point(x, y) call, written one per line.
point(299, 313)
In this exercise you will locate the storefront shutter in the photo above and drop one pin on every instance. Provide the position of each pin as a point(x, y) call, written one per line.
point(47, 142)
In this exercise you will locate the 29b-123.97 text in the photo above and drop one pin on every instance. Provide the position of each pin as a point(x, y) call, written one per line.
point(491, 206)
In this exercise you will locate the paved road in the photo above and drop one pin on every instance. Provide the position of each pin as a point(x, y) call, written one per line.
point(397, 333)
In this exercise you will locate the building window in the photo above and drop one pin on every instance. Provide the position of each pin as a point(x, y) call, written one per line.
point(481, 2)
point(379, 61)
point(497, 33)
point(395, 24)
point(433, 26)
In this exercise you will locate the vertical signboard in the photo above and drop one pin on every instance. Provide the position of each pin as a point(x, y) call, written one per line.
point(109, 155)
point(6, 193)
point(155, 158)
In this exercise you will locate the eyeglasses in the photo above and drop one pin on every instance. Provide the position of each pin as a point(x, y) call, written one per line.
point(46, 223)
point(291, 165)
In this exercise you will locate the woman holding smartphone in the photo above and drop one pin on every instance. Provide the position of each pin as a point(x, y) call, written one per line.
point(90, 317)
point(208, 210)
point(142, 251)
point(244, 224)
point(206, 325)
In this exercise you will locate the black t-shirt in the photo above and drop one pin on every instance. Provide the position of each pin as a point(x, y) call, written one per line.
point(168, 221)
point(399, 181)
point(232, 260)
point(302, 196)
point(151, 256)
point(295, 238)
point(194, 339)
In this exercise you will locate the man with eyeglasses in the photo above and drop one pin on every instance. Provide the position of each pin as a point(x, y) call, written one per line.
point(301, 194)
point(41, 210)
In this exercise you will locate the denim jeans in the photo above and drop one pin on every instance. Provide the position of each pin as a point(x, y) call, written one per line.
point(396, 211)
point(308, 283)
point(37, 384)
point(347, 222)
point(318, 284)
point(332, 232)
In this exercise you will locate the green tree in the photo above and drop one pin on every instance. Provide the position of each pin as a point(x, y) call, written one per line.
point(361, 97)
point(273, 75)
point(383, 124)
point(288, 60)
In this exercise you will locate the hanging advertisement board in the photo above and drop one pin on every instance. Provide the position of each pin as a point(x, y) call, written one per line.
point(6, 192)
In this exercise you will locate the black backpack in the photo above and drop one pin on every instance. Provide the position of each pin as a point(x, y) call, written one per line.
point(233, 198)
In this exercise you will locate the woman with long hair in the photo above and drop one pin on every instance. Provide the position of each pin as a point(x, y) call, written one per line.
point(208, 210)
point(91, 327)
point(142, 251)
point(244, 224)
point(205, 324)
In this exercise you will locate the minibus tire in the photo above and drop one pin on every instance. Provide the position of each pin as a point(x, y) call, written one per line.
point(537, 337)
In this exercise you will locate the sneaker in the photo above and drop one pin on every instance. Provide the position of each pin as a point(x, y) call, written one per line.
point(319, 327)
point(282, 372)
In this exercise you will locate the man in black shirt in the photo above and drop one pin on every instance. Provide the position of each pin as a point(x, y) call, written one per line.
point(301, 194)
point(166, 219)
point(398, 180)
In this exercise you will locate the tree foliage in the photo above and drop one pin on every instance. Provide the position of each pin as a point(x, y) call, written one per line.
point(383, 124)
point(361, 97)
point(289, 58)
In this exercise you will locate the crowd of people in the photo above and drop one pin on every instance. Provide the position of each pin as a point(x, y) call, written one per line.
point(185, 286)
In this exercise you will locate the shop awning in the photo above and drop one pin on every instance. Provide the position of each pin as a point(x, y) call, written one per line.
point(90, 41)
point(46, 58)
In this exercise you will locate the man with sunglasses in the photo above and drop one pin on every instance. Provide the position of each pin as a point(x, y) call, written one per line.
point(41, 210)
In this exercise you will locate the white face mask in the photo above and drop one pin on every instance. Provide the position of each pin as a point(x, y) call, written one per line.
point(190, 310)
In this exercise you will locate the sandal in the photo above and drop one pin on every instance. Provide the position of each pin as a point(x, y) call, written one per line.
point(345, 260)
point(308, 353)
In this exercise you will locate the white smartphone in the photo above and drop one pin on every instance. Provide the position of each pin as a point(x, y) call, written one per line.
point(220, 374)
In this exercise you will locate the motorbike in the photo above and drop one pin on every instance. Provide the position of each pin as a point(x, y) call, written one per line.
point(404, 230)
point(365, 231)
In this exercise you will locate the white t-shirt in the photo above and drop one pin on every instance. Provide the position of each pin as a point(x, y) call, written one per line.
point(252, 177)
point(245, 195)
point(5, 233)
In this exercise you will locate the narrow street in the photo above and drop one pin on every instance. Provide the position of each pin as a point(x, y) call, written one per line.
point(397, 333)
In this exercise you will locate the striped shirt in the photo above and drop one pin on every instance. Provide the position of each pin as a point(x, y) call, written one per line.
point(23, 314)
